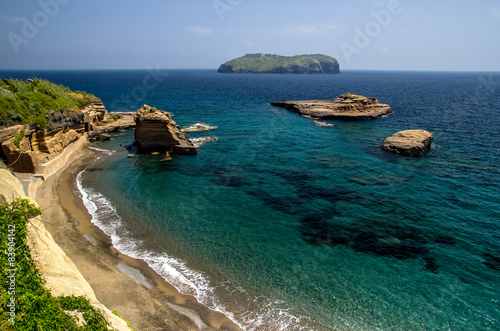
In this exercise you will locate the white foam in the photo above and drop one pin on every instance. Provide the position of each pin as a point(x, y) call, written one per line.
point(175, 271)
point(101, 150)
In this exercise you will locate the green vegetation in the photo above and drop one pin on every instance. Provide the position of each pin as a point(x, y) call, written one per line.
point(24, 299)
point(28, 102)
point(123, 318)
point(268, 63)
point(112, 117)
point(18, 137)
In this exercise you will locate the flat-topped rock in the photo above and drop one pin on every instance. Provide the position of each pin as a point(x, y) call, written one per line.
point(346, 107)
point(156, 131)
point(409, 142)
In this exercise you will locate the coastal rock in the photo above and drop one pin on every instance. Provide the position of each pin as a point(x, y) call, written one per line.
point(409, 142)
point(25, 148)
point(155, 131)
point(321, 123)
point(198, 127)
point(346, 107)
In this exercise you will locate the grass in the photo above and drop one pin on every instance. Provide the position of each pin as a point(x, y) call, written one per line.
point(266, 64)
point(25, 302)
point(29, 102)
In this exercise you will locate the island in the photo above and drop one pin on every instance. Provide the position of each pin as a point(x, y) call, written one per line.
point(346, 107)
point(277, 64)
point(409, 142)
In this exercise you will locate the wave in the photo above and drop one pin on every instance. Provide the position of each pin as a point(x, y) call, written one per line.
point(101, 150)
point(269, 315)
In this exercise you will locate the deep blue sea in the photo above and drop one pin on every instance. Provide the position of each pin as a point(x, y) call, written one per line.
point(286, 225)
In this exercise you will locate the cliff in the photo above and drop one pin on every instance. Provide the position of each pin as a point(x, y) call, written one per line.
point(60, 273)
point(155, 131)
point(277, 64)
point(346, 107)
point(24, 148)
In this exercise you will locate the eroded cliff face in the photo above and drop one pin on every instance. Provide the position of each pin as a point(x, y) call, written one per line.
point(155, 131)
point(25, 148)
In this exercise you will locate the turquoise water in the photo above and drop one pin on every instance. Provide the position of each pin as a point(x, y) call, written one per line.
point(286, 225)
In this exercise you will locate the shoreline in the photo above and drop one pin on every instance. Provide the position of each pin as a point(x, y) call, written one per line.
point(141, 295)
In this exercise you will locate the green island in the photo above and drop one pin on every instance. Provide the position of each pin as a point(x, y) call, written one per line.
point(277, 64)
point(34, 101)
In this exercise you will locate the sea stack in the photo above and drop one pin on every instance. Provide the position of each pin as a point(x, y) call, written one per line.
point(409, 142)
point(346, 107)
point(155, 131)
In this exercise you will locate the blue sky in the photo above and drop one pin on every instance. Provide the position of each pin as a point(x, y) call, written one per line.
point(361, 34)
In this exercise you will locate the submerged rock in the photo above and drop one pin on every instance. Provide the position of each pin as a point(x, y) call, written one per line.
point(155, 131)
point(492, 261)
point(409, 142)
point(346, 107)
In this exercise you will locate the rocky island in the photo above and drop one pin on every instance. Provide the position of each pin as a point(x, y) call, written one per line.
point(346, 107)
point(409, 142)
point(277, 64)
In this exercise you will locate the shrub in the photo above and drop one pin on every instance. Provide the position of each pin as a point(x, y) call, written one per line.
point(34, 307)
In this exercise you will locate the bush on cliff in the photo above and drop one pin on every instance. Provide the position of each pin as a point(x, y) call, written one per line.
point(27, 102)
point(25, 303)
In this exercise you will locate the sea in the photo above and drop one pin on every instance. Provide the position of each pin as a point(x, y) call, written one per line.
point(284, 224)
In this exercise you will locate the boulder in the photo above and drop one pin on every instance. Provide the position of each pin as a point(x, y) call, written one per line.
point(155, 131)
point(409, 142)
point(346, 107)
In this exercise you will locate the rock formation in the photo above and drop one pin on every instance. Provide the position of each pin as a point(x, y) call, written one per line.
point(24, 147)
point(346, 107)
point(409, 142)
point(198, 127)
point(155, 131)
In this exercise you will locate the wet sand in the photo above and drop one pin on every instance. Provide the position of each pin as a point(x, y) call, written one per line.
point(121, 283)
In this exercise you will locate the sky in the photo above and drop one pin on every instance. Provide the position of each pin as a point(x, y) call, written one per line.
point(442, 35)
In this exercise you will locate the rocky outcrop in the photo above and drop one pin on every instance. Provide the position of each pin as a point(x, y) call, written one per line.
point(155, 131)
point(125, 121)
point(346, 107)
point(25, 148)
point(198, 127)
point(409, 142)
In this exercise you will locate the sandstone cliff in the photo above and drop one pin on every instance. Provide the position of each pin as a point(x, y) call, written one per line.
point(155, 131)
point(60, 273)
point(25, 147)
point(409, 142)
point(346, 107)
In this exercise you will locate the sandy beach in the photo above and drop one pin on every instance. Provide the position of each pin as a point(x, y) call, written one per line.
point(121, 283)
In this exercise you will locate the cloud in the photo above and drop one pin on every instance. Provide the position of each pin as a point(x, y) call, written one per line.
point(11, 19)
point(200, 30)
point(306, 29)
point(385, 50)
